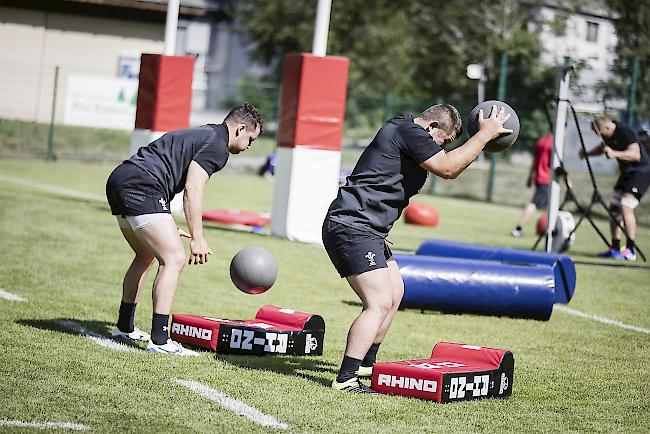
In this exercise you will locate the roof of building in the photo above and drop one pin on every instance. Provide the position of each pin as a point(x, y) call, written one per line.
point(146, 10)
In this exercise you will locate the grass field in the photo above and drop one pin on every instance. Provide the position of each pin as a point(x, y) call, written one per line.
point(65, 256)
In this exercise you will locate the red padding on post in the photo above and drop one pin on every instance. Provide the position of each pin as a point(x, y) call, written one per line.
point(312, 108)
point(164, 92)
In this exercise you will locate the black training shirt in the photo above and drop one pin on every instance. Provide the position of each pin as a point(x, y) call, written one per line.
point(168, 158)
point(385, 177)
point(622, 138)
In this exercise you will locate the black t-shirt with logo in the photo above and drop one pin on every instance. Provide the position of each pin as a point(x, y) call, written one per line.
point(622, 138)
point(386, 176)
point(168, 158)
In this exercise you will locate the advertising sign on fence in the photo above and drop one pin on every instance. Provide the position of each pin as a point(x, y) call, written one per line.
point(102, 102)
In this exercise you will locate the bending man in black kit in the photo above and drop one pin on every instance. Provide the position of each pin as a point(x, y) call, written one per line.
point(391, 169)
point(622, 143)
point(139, 192)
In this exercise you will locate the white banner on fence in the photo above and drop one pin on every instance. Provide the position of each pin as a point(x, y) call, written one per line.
point(104, 102)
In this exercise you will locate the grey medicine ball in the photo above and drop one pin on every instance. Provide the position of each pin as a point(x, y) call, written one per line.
point(253, 270)
point(504, 141)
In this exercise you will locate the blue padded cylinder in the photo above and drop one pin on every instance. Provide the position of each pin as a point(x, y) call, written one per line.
point(482, 287)
point(563, 268)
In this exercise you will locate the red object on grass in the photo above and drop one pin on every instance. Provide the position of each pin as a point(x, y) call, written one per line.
point(454, 372)
point(421, 214)
point(274, 330)
point(542, 224)
point(236, 217)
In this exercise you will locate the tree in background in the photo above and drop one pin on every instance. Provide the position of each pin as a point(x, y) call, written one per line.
point(633, 40)
point(409, 54)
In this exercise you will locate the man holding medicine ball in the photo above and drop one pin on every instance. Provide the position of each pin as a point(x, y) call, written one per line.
point(392, 169)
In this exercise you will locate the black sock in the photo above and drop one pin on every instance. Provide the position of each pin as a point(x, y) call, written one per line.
point(371, 355)
point(629, 243)
point(518, 228)
point(349, 368)
point(616, 244)
point(159, 328)
point(125, 318)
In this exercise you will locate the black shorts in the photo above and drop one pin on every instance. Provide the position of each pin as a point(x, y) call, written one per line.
point(636, 183)
point(131, 192)
point(540, 197)
point(354, 251)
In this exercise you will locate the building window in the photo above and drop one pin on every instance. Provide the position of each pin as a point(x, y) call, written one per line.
point(592, 31)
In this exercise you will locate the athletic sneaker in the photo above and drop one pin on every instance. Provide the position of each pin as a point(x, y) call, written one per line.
point(136, 335)
point(611, 253)
point(628, 255)
point(517, 233)
point(170, 347)
point(364, 371)
point(353, 385)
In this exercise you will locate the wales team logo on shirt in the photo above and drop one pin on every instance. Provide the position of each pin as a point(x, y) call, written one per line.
point(371, 259)
point(163, 204)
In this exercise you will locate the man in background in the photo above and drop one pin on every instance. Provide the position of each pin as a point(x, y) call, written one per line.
point(622, 143)
point(540, 174)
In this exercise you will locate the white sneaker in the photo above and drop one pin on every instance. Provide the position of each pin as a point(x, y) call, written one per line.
point(517, 233)
point(170, 347)
point(136, 335)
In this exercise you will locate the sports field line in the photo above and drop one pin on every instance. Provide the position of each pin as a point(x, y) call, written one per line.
point(232, 404)
point(45, 425)
point(93, 336)
point(52, 189)
point(11, 297)
point(601, 319)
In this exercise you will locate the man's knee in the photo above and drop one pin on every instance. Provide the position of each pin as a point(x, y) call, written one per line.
point(144, 261)
point(615, 205)
point(175, 259)
point(398, 294)
point(381, 304)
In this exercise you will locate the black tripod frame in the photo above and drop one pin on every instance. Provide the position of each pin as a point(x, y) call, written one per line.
point(596, 197)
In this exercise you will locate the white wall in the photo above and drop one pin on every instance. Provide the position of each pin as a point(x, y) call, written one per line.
point(598, 54)
point(33, 42)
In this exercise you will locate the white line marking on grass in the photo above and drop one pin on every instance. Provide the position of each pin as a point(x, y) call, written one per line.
point(11, 297)
point(232, 404)
point(93, 336)
point(602, 319)
point(45, 425)
point(52, 189)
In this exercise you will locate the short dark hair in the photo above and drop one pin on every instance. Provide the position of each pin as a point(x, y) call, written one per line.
point(246, 114)
point(447, 117)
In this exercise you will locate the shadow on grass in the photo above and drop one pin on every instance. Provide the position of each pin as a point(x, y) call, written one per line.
point(70, 326)
point(302, 367)
point(402, 309)
point(618, 264)
point(353, 303)
point(238, 228)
